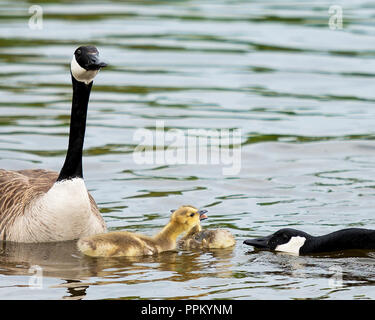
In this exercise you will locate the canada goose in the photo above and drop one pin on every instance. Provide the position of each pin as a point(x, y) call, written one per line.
point(41, 205)
point(123, 243)
point(198, 238)
point(299, 242)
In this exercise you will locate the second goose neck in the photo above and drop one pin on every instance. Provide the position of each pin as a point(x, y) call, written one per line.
point(72, 167)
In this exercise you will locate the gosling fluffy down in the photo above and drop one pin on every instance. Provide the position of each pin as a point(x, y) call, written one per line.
point(197, 238)
point(123, 243)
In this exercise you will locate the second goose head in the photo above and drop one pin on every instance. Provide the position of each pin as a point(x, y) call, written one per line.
point(284, 240)
point(86, 64)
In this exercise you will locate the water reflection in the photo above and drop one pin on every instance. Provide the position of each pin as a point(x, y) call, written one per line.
point(336, 271)
point(62, 260)
point(58, 259)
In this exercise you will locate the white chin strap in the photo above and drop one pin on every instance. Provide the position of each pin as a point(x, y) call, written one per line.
point(81, 74)
point(292, 246)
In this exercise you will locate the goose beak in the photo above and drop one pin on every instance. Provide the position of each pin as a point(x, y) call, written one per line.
point(260, 243)
point(94, 62)
point(202, 214)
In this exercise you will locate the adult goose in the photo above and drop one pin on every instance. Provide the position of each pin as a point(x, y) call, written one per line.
point(44, 206)
point(300, 243)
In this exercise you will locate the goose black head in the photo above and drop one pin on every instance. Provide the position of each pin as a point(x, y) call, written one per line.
point(285, 240)
point(86, 64)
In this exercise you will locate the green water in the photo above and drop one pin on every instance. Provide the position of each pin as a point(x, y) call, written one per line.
point(301, 94)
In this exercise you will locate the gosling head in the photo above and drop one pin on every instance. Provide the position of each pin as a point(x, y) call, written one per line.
point(188, 217)
point(86, 64)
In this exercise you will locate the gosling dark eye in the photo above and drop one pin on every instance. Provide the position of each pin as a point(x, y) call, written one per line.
point(192, 214)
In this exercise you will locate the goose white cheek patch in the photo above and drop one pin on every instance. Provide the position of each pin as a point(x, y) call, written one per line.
point(293, 246)
point(81, 74)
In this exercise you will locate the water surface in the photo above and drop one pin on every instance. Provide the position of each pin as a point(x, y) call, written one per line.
point(301, 94)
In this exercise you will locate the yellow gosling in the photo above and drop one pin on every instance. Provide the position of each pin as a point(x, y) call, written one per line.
point(123, 243)
point(197, 238)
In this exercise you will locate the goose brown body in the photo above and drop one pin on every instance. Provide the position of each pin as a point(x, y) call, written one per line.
point(123, 243)
point(19, 191)
point(198, 238)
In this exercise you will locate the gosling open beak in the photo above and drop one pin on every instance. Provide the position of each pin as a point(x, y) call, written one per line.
point(94, 62)
point(202, 214)
point(260, 243)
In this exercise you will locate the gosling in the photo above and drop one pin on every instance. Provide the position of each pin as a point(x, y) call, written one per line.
point(123, 243)
point(197, 238)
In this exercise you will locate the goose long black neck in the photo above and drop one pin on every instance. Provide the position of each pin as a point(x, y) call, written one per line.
point(72, 167)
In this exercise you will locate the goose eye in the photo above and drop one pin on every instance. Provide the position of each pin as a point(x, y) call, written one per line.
point(78, 51)
point(192, 214)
